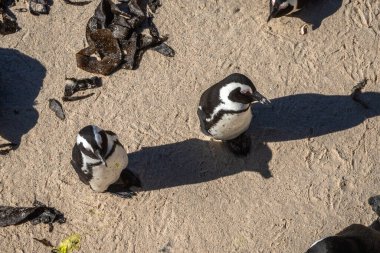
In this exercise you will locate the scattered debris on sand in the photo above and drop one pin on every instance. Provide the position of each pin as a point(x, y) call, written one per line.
point(39, 213)
point(357, 90)
point(39, 7)
point(57, 108)
point(7, 147)
point(77, 3)
point(8, 21)
point(45, 242)
point(374, 202)
point(68, 245)
point(74, 85)
point(303, 29)
point(116, 39)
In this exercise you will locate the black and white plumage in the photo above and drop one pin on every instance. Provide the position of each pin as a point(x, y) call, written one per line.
point(224, 111)
point(278, 8)
point(100, 160)
point(355, 238)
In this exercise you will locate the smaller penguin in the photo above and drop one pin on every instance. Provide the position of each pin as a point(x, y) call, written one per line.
point(225, 114)
point(278, 8)
point(100, 160)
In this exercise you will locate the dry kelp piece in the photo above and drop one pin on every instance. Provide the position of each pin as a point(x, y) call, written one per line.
point(7, 147)
point(39, 213)
point(81, 3)
point(374, 202)
point(37, 7)
point(74, 85)
point(8, 24)
point(103, 56)
point(154, 5)
point(114, 35)
point(57, 108)
point(357, 90)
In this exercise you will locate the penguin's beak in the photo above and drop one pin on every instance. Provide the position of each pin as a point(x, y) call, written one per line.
point(260, 98)
point(97, 153)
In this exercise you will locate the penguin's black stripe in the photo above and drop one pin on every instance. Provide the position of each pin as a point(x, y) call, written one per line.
point(87, 152)
point(114, 144)
point(219, 116)
point(104, 146)
point(88, 134)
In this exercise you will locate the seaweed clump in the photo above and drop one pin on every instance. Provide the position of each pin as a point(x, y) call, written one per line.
point(116, 39)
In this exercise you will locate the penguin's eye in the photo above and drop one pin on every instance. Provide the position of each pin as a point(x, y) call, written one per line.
point(246, 91)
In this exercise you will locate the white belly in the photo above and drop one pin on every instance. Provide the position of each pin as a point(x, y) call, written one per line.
point(103, 177)
point(231, 126)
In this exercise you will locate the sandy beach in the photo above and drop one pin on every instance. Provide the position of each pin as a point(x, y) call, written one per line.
point(315, 154)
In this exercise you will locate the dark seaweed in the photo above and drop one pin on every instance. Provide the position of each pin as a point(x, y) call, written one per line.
point(76, 98)
point(8, 148)
point(374, 202)
point(77, 3)
point(37, 7)
point(154, 4)
point(8, 24)
point(115, 38)
point(57, 108)
point(74, 85)
point(39, 213)
point(357, 90)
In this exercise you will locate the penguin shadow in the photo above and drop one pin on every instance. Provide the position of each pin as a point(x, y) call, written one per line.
point(316, 11)
point(311, 115)
point(21, 78)
point(194, 161)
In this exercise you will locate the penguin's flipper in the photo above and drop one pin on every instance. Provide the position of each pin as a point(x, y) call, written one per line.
point(121, 191)
point(202, 119)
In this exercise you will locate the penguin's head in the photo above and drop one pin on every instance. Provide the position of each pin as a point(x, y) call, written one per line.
point(240, 89)
point(92, 141)
point(275, 6)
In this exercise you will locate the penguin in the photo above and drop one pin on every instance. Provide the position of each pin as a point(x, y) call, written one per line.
point(279, 8)
point(224, 111)
point(355, 238)
point(100, 160)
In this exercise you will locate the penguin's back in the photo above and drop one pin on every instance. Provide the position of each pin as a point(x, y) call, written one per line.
point(77, 163)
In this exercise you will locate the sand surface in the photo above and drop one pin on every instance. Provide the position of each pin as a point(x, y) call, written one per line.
point(315, 154)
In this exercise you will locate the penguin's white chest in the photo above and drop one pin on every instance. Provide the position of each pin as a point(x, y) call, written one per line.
point(103, 176)
point(231, 126)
